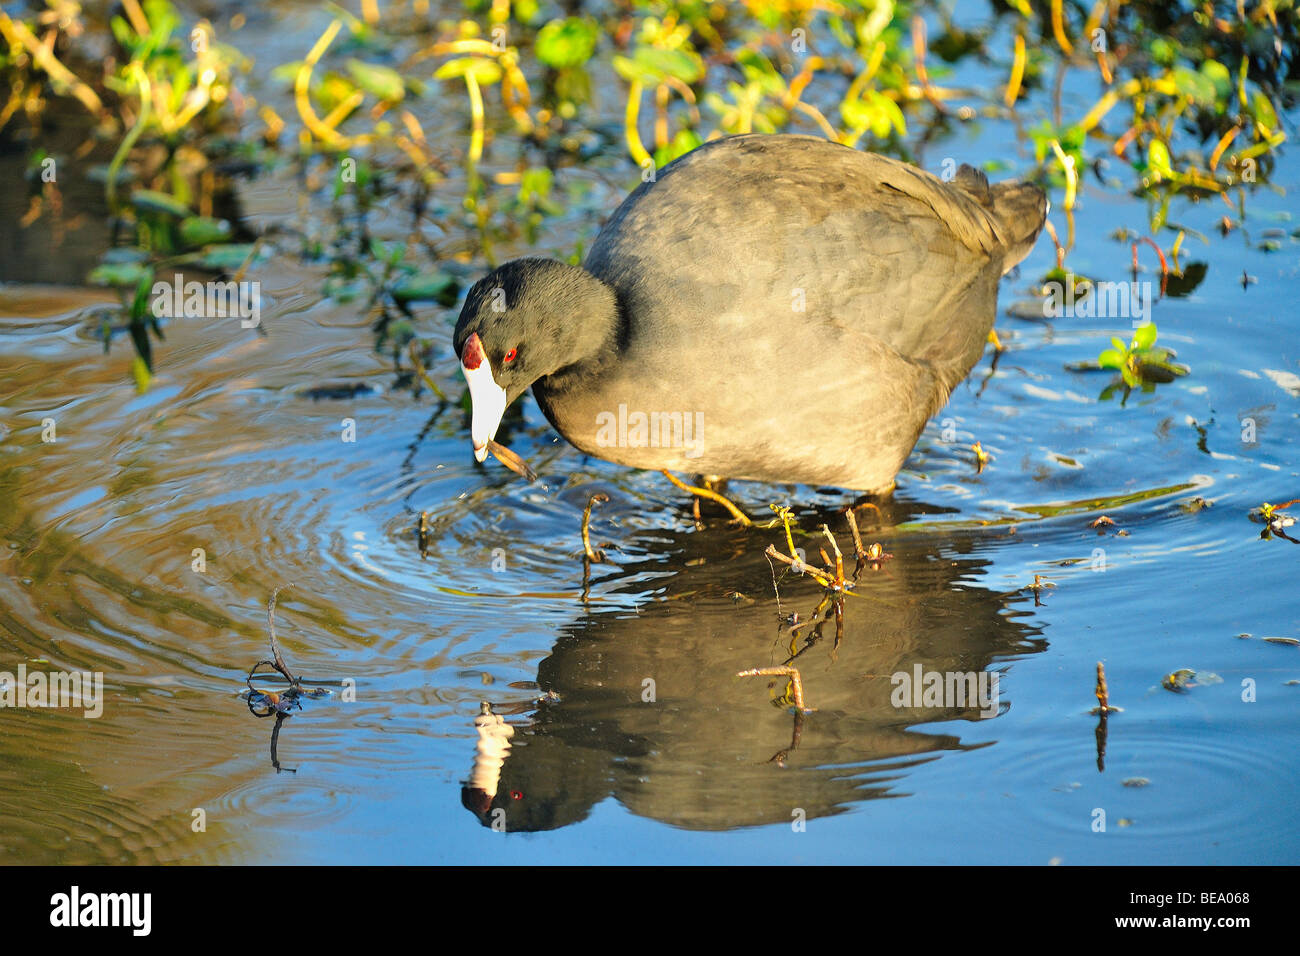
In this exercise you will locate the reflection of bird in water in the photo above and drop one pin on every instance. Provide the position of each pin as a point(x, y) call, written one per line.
point(697, 750)
point(489, 754)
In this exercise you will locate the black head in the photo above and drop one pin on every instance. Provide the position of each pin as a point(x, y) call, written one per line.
point(534, 317)
point(524, 321)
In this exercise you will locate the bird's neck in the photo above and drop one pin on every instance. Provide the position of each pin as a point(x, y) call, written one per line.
point(590, 332)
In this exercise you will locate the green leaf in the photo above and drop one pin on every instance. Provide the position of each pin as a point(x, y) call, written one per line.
point(1144, 337)
point(685, 141)
point(1158, 159)
point(1131, 378)
point(120, 275)
point(1198, 87)
point(1163, 51)
point(228, 258)
point(650, 65)
point(437, 287)
point(379, 81)
point(1219, 75)
point(147, 200)
point(1110, 358)
point(873, 111)
point(485, 71)
point(1118, 344)
point(567, 43)
point(203, 230)
point(1265, 115)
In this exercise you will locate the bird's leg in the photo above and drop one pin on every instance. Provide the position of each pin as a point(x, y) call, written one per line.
point(709, 493)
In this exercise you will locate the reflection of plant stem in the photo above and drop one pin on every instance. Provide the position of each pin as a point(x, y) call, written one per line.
point(275, 744)
point(419, 370)
point(1101, 733)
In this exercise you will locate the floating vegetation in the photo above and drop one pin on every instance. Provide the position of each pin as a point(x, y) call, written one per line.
point(1179, 680)
point(1274, 520)
point(1187, 111)
point(1038, 587)
point(1141, 364)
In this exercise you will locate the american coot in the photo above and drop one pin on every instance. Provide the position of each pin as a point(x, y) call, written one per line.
point(778, 308)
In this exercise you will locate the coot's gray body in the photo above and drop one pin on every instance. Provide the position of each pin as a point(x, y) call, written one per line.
point(801, 307)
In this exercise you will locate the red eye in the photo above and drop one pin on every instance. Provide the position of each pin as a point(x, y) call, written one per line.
point(510, 356)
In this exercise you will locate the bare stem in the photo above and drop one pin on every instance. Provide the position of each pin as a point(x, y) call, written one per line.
point(839, 558)
point(796, 683)
point(858, 551)
point(592, 555)
point(822, 579)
